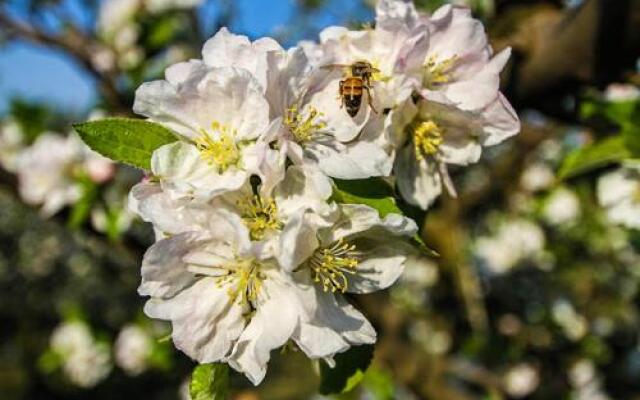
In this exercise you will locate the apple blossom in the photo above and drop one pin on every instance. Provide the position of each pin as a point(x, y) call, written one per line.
point(221, 114)
point(49, 171)
point(619, 194)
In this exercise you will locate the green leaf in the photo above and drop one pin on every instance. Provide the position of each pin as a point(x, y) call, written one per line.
point(130, 141)
point(348, 372)
point(373, 192)
point(620, 112)
point(209, 382)
point(598, 155)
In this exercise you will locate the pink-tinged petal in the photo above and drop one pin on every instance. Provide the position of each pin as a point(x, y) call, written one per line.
point(501, 122)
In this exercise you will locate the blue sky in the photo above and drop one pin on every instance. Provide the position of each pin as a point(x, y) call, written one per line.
point(38, 73)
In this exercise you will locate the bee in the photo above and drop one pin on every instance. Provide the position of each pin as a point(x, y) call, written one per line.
point(356, 82)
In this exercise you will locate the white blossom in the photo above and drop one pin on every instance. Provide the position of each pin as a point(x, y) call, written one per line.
point(619, 195)
point(359, 253)
point(562, 207)
point(395, 48)
point(50, 169)
point(12, 142)
point(521, 380)
point(132, 349)
point(226, 299)
point(313, 133)
point(537, 176)
point(85, 361)
point(621, 92)
point(221, 114)
point(463, 109)
point(515, 240)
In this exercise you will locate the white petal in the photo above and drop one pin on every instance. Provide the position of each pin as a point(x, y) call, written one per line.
point(419, 182)
point(271, 326)
point(164, 273)
point(329, 323)
point(357, 219)
point(502, 122)
point(357, 160)
point(169, 215)
point(226, 49)
point(382, 263)
point(182, 170)
point(205, 323)
point(298, 241)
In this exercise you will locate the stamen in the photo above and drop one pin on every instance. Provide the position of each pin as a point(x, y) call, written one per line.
point(438, 73)
point(221, 152)
point(303, 128)
point(259, 215)
point(245, 279)
point(427, 138)
point(331, 264)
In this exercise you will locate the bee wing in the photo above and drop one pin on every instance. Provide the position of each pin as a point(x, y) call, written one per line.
point(332, 66)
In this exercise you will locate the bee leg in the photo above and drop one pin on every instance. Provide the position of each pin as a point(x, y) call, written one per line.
point(340, 96)
point(369, 98)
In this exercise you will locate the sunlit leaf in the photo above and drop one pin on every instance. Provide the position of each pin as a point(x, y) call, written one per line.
point(209, 382)
point(130, 141)
point(373, 192)
point(598, 155)
point(348, 372)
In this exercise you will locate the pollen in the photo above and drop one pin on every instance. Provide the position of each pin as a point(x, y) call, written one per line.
point(427, 138)
point(259, 215)
point(331, 265)
point(438, 73)
point(304, 126)
point(245, 279)
point(220, 150)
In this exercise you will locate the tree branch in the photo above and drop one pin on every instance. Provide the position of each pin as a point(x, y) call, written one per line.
point(74, 43)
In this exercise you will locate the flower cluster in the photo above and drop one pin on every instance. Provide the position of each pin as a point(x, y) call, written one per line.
point(252, 250)
point(85, 361)
point(52, 169)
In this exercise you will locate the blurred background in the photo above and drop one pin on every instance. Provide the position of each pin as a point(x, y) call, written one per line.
point(535, 293)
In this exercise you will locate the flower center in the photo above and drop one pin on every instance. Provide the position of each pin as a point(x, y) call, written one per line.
point(259, 215)
point(221, 151)
point(438, 72)
point(331, 264)
point(245, 278)
point(427, 138)
point(303, 126)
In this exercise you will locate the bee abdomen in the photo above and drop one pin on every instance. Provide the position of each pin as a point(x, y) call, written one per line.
point(352, 104)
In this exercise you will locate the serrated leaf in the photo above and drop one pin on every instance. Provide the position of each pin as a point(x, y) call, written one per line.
point(373, 192)
point(130, 141)
point(348, 372)
point(209, 382)
point(598, 155)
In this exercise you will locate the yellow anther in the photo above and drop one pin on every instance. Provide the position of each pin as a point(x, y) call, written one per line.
point(220, 150)
point(259, 215)
point(438, 73)
point(331, 264)
point(304, 126)
point(244, 279)
point(427, 138)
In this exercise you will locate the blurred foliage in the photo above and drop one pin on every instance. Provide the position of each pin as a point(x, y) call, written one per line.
point(559, 322)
